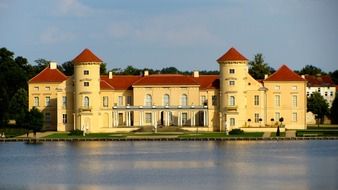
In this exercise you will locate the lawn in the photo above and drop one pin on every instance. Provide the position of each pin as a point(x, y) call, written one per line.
point(12, 131)
point(91, 135)
point(219, 135)
point(273, 134)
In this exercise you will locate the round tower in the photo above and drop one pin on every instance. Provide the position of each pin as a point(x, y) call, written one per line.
point(233, 82)
point(86, 90)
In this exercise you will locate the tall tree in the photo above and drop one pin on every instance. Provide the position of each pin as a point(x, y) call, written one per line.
point(258, 68)
point(18, 106)
point(311, 70)
point(334, 76)
point(318, 105)
point(35, 120)
point(170, 70)
point(334, 111)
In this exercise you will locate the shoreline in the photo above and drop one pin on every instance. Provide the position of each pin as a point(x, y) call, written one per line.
point(165, 139)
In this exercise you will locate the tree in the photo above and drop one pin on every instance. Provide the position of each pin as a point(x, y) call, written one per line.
point(318, 105)
point(18, 106)
point(334, 111)
point(170, 70)
point(334, 76)
point(310, 70)
point(35, 120)
point(67, 68)
point(130, 70)
point(258, 68)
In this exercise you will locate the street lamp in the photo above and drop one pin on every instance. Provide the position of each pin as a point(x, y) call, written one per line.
point(281, 123)
point(249, 120)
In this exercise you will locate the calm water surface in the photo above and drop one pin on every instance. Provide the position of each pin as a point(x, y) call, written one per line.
point(170, 165)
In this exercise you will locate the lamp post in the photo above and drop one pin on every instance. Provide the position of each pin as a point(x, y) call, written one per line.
point(272, 120)
point(281, 123)
point(249, 120)
point(260, 121)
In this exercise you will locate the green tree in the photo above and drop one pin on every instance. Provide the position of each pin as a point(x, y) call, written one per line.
point(103, 68)
point(334, 76)
point(318, 105)
point(311, 70)
point(170, 70)
point(67, 68)
point(35, 120)
point(130, 70)
point(258, 68)
point(334, 111)
point(18, 106)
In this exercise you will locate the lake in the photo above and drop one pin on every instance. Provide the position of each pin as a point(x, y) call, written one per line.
point(170, 165)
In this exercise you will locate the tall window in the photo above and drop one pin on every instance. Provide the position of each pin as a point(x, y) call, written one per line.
point(232, 101)
point(277, 116)
point(64, 101)
point(86, 72)
point(129, 100)
point(64, 118)
point(47, 116)
point(47, 101)
point(203, 101)
point(214, 100)
point(36, 101)
point(120, 101)
point(256, 100)
point(184, 118)
point(294, 101)
point(86, 102)
point(148, 117)
point(105, 101)
point(166, 100)
point(232, 122)
point(184, 100)
point(256, 117)
point(148, 100)
point(277, 100)
point(294, 116)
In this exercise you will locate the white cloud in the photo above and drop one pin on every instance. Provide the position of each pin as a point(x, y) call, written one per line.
point(73, 7)
point(54, 35)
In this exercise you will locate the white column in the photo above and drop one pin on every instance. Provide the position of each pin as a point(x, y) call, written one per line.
point(167, 121)
point(193, 118)
point(129, 118)
point(179, 119)
point(140, 118)
point(204, 118)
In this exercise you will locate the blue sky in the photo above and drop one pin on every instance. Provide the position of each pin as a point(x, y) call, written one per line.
point(186, 34)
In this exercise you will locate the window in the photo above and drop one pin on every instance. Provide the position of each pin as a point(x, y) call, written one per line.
point(148, 117)
point(47, 101)
point(36, 101)
point(232, 101)
point(256, 117)
point(325, 93)
point(256, 100)
point(277, 100)
point(232, 83)
point(105, 101)
point(294, 101)
point(232, 71)
point(64, 101)
point(120, 101)
point(319, 90)
point(203, 101)
point(232, 122)
point(129, 100)
point(277, 87)
point(148, 100)
point(36, 88)
point(85, 83)
point(64, 118)
point(184, 118)
point(294, 87)
point(47, 88)
point(166, 100)
point(214, 100)
point(184, 100)
point(277, 116)
point(331, 93)
point(307, 94)
point(86, 72)
point(294, 117)
point(47, 116)
point(86, 102)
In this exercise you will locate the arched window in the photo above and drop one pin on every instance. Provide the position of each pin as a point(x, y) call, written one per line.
point(148, 100)
point(232, 101)
point(184, 100)
point(166, 101)
point(86, 101)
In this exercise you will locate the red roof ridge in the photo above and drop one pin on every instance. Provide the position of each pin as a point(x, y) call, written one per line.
point(47, 75)
point(232, 55)
point(87, 56)
point(106, 83)
point(284, 73)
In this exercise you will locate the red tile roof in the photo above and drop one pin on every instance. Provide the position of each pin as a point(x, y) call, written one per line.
point(48, 75)
point(284, 73)
point(166, 79)
point(105, 86)
point(120, 82)
point(232, 55)
point(86, 56)
point(317, 81)
point(208, 81)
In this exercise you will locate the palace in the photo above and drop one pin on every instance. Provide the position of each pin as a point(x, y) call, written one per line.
point(116, 103)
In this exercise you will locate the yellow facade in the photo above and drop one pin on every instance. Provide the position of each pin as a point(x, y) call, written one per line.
point(82, 102)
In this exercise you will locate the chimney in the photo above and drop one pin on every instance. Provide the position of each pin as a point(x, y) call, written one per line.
point(196, 74)
point(266, 76)
point(146, 73)
point(52, 65)
point(303, 76)
point(110, 75)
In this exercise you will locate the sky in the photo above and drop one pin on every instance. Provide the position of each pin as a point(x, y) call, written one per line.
point(186, 34)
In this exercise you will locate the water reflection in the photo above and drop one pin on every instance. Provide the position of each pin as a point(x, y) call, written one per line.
point(170, 165)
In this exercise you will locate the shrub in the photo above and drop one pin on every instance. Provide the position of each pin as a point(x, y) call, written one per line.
point(76, 132)
point(236, 132)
